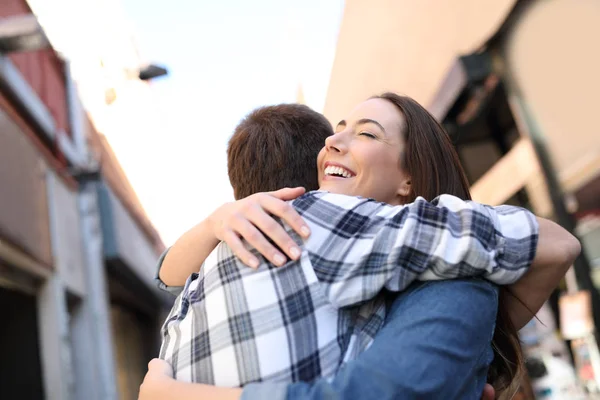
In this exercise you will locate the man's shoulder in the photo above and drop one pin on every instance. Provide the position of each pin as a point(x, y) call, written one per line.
point(332, 197)
point(322, 202)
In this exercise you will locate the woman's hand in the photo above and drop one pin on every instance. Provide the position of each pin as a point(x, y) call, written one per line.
point(489, 393)
point(159, 385)
point(252, 219)
point(245, 218)
point(157, 382)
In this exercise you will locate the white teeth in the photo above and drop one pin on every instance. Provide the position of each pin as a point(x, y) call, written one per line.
point(333, 170)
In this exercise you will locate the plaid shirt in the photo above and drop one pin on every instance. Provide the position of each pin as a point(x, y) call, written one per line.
point(232, 325)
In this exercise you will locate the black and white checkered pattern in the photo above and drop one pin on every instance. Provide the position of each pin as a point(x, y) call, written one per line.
point(232, 325)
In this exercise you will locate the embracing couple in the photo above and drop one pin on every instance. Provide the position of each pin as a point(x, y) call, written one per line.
point(371, 276)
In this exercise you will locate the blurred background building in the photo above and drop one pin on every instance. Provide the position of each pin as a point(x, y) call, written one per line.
point(514, 82)
point(77, 251)
point(509, 80)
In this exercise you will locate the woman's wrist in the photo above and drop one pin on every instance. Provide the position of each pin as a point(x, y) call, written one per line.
point(188, 254)
point(194, 391)
point(213, 224)
point(206, 231)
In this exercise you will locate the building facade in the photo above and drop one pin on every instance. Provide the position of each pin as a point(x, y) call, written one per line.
point(77, 251)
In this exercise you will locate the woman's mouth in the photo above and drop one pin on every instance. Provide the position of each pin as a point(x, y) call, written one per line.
point(337, 171)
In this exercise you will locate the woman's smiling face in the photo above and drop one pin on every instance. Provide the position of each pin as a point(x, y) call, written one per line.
point(362, 158)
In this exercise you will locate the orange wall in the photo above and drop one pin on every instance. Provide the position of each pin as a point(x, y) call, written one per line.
point(24, 218)
point(42, 69)
point(553, 55)
point(551, 60)
point(405, 46)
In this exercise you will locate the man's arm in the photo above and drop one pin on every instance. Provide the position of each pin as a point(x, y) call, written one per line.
point(520, 240)
point(556, 252)
point(359, 247)
point(452, 237)
point(435, 345)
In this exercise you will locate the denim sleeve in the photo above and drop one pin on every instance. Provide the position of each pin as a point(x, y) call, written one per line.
point(435, 345)
point(174, 290)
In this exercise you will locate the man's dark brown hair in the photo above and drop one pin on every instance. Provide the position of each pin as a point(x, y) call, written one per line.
point(275, 147)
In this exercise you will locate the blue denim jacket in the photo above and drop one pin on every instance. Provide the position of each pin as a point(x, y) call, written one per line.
point(435, 345)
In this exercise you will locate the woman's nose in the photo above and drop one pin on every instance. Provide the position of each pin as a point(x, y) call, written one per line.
point(335, 143)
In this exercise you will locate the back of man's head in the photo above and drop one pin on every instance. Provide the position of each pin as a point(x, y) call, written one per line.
point(275, 147)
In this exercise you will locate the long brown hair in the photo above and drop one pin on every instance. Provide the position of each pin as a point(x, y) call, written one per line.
point(434, 167)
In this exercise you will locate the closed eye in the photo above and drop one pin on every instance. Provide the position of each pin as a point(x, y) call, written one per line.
point(367, 134)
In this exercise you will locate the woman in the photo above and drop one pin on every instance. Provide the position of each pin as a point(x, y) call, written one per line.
point(397, 152)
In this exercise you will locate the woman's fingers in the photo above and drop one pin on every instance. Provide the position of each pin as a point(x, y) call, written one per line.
point(253, 219)
point(249, 230)
point(288, 193)
point(488, 392)
point(286, 212)
point(238, 248)
point(269, 227)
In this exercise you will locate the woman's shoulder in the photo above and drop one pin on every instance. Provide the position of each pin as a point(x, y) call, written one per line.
point(320, 199)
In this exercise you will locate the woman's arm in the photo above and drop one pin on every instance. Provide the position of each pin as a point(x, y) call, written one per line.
point(241, 218)
point(195, 391)
point(556, 251)
point(187, 255)
point(159, 384)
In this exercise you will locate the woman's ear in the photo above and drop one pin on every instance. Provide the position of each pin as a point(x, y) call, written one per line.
point(405, 188)
point(405, 191)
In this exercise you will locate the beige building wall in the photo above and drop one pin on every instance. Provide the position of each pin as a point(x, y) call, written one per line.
point(553, 56)
point(405, 46)
point(104, 61)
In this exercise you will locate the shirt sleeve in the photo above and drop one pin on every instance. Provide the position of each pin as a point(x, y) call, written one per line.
point(359, 247)
point(435, 345)
point(174, 290)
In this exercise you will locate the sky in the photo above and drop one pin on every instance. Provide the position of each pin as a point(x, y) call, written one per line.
point(224, 58)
